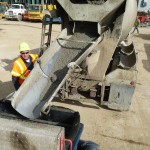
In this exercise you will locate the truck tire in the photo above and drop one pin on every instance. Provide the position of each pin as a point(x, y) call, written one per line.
point(19, 18)
point(87, 145)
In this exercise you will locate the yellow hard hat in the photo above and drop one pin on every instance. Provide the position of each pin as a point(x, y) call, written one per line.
point(23, 46)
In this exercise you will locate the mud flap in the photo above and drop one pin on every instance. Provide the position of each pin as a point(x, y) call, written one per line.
point(120, 96)
point(118, 89)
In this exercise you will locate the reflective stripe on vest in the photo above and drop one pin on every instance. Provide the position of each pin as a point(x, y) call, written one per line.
point(23, 76)
point(15, 74)
point(20, 66)
point(33, 57)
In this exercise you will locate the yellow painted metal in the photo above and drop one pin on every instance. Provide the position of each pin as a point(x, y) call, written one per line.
point(38, 14)
point(5, 6)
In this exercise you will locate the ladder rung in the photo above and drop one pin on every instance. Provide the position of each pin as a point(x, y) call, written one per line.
point(46, 34)
point(46, 23)
point(47, 44)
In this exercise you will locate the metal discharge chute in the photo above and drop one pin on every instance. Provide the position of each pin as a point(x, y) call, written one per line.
point(89, 55)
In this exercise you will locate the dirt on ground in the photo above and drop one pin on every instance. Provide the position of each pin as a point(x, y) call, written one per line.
point(112, 130)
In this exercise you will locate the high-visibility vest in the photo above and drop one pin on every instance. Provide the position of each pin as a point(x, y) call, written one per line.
point(20, 69)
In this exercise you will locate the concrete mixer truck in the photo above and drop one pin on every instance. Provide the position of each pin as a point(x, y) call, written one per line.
point(92, 58)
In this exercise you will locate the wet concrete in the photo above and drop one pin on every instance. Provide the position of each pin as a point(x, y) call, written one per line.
point(70, 52)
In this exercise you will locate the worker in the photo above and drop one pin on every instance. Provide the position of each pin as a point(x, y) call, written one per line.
point(22, 65)
point(136, 25)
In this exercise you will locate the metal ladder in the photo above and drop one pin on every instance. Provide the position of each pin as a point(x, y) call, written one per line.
point(46, 31)
point(46, 34)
